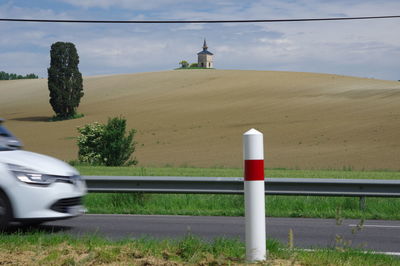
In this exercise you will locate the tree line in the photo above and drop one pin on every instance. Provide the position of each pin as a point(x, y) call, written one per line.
point(12, 76)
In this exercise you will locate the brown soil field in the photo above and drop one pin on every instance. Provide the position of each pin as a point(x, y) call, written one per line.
point(197, 117)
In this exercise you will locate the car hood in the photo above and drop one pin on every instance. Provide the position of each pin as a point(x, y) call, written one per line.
point(38, 162)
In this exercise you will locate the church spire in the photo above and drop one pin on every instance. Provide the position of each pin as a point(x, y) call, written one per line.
point(205, 47)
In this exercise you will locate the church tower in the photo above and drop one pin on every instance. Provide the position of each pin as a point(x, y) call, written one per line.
point(205, 57)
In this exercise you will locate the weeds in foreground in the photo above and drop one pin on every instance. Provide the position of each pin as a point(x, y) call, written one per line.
point(341, 243)
point(41, 248)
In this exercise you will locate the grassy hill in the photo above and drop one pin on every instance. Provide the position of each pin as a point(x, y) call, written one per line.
point(198, 117)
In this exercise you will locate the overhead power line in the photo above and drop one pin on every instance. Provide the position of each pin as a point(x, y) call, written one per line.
point(192, 21)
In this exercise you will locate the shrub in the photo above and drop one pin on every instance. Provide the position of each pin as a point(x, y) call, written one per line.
point(184, 64)
point(89, 143)
point(117, 148)
point(106, 144)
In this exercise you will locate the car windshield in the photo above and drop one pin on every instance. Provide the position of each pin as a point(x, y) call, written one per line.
point(7, 140)
point(4, 132)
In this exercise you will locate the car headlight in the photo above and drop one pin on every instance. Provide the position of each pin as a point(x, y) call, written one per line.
point(30, 176)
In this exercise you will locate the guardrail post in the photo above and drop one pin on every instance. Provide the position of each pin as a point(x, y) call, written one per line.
point(362, 203)
point(254, 190)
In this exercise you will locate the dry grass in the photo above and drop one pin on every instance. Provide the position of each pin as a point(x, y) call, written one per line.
point(67, 255)
point(198, 117)
point(40, 248)
point(114, 254)
point(64, 254)
point(45, 249)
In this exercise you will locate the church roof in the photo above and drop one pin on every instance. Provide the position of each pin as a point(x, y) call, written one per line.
point(205, 52)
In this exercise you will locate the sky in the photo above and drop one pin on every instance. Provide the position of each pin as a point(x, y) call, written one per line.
point(366, 48)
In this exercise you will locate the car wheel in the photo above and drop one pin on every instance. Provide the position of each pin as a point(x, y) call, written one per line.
point(5, 212)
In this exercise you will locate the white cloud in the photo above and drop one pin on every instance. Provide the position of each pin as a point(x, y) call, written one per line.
point(121, 52)
point(9, 10)
point(198, 26)
point(224, 49)
point(24, 63)
point(126, 4)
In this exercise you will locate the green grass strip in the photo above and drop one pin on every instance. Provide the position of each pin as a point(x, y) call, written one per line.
point(40, 248)
point(233, 205)
point(234, 172)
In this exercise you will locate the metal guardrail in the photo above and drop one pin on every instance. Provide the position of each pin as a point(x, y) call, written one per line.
point(235, 185)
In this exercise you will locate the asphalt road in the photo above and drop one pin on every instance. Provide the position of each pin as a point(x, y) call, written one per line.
point(375, 235)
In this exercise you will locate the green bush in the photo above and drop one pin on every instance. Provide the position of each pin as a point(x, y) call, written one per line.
point(106, 144)
point(89, 143)
point(116, 147)
point(184, 64)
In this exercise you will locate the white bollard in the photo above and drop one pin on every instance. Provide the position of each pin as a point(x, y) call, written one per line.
point(254, 195)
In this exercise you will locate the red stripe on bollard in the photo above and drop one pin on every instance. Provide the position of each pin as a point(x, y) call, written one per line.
point(253, 170)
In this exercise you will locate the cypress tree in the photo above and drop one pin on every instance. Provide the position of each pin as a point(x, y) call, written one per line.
point(64, 79)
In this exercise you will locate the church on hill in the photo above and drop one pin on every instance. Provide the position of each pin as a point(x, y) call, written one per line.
point(205, 57)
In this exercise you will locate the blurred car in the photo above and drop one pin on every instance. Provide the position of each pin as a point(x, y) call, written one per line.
point(35, 188)
point(8, 140)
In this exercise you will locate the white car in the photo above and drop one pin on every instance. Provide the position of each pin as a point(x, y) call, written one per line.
point(35, 188)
